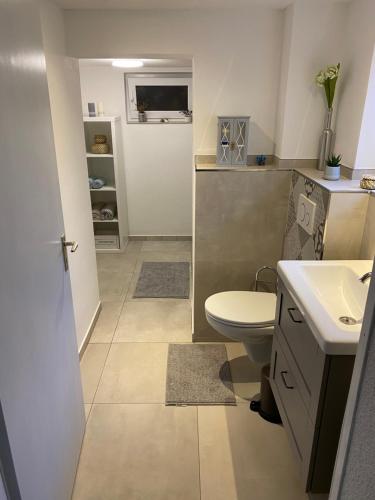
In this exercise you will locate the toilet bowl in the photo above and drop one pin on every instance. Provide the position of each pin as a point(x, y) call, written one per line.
point(248, 317)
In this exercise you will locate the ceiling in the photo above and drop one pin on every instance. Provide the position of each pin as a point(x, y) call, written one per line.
point(172, 4)
point(148, 63)
point(166, 4)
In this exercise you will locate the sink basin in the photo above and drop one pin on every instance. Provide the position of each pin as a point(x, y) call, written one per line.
point(338, 288)
point(325, 291)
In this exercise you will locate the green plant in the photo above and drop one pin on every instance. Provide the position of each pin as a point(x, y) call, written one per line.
point(328, 78)
point(334, 161)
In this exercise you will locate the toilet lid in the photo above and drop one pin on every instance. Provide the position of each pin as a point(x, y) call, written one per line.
point(245, 308)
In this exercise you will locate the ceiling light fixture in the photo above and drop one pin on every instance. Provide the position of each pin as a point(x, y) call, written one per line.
point(127, 63)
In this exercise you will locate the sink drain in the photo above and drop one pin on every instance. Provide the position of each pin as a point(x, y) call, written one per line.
point(348, 320)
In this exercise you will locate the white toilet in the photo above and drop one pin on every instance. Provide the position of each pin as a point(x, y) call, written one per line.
point(248, 317)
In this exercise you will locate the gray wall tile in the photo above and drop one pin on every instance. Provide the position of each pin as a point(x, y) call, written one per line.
point(239, 227)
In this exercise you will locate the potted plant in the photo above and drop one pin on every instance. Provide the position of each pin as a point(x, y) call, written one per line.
point(188, 114)
point(332, 170)
point(327, 79)
point(141, 108)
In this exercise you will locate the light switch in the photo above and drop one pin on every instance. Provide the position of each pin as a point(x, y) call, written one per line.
point(306, 213)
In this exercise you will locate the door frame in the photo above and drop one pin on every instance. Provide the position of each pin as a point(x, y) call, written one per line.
point(7, 470)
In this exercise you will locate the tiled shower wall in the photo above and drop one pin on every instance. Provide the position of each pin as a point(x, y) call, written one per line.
point(298, 244)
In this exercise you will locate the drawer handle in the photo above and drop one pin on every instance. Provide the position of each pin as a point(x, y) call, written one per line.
point(291, 312)
point(284, 380)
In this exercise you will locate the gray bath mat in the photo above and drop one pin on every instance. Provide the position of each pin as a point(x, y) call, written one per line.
point(199, 374)
point(163, 280)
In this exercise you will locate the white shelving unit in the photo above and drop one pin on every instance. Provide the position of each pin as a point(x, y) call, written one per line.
point(111, 167)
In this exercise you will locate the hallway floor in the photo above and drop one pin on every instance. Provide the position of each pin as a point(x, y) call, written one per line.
point(136, 448)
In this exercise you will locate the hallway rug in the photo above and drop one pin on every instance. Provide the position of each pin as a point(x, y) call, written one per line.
point(168, 280)
point(199, 374)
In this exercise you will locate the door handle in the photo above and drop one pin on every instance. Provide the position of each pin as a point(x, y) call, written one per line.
point(73, 248)
point(72, 244)
point(283, 374)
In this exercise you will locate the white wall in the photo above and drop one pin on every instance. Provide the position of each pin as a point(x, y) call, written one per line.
point(313, 39)
point(368, 240)
point(366, 145)
point(63, 85)
point(284, 74)
point(236, 59)
point(359, 49)
point(158, 160)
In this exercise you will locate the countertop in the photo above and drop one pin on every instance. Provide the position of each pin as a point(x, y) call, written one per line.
point(343, 185)
point(213, 167)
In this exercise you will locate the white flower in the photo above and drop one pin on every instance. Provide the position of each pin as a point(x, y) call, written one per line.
point(332, 72)
point(320, 78)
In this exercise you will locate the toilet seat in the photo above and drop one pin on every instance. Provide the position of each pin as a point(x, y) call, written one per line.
point(242, 308)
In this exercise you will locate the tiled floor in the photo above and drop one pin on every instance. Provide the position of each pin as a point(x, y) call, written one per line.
point(136, 448)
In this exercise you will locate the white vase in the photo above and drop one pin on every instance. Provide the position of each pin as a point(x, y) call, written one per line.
point(332, 173)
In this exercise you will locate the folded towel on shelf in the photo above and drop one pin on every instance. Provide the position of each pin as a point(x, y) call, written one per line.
point(96, 211)
point(108, 211)
point(98, 182)
point(91, 181)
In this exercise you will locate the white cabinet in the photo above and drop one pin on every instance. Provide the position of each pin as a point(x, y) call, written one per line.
point(233, 134)
point(110, 234)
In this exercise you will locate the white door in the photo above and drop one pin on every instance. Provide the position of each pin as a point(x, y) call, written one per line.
point(40, 388)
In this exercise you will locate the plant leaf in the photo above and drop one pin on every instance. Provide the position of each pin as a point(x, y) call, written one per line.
point(328, 92)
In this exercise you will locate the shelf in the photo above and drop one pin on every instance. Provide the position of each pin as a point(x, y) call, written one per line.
point(108, 166)
point(92, 155)
point(104, 188)
point(101, 221)
point(152, 121)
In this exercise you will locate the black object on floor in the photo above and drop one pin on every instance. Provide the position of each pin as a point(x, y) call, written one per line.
point(266, 406)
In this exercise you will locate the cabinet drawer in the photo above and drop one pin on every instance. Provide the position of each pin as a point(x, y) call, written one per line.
point(307, 358)
point(291, 407)
point(107, 241)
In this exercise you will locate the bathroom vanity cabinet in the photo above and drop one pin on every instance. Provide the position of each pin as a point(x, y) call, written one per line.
point(310, 389)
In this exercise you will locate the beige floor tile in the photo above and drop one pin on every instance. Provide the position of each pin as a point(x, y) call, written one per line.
point(107, 322)
point(166, 246)
point(121, 262)
point(134, 373)
point(242, 457)
point(92, 365)
point(113, 285)
point(87, 410)
point(139, 452)
point(245, 374)
point(163, 321)
point(133, 246)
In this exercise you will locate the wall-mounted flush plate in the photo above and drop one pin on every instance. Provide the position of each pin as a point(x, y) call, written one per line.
point(306, 213)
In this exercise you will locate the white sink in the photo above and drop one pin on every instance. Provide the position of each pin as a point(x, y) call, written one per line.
point(325, 291)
